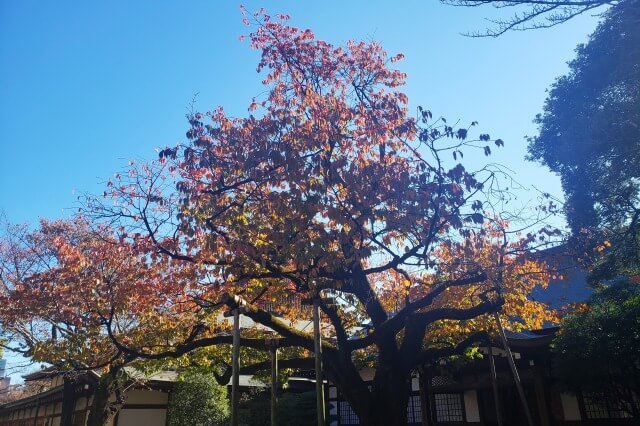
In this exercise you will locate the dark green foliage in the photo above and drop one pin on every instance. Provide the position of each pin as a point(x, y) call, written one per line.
point(294, 409)
point(589, 132)
point(297, 409)
point(254, 408)
point(198, 399)
point(623, 259)
point(598, 351)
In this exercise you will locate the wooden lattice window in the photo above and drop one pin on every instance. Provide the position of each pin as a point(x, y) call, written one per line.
point(599, 406)
point(414, 410)
point(347, 415)
point(448, 407)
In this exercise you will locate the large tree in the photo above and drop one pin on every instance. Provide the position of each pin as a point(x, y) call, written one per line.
point(66, 287)
point(330, 188)
point(589, 133)
point(598, 349)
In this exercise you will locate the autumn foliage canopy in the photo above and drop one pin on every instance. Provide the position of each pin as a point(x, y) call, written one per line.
point(330, 186)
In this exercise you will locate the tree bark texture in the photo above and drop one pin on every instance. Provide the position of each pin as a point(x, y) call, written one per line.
point(103, 409)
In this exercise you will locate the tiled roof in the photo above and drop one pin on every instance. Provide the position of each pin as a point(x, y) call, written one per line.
point(569, 284)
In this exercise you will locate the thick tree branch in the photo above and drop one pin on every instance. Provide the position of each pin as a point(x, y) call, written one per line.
point(433, 354)
point(332, 314)
point(360, 287)
point(285, 363)
point(182, 349)
point(280, 326)
point(397, 322)
point(430, 317)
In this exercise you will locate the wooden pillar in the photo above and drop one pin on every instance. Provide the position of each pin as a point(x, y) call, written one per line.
point(318, 362)
point(274, 383)
point(68, 401)
point(425, 395)
point(541, 397)
point(494, 385)
point(235, 368)
point(237, 305)
point(35, 419)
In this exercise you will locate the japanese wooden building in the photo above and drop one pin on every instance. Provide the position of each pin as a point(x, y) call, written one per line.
point(146, 404)
point(449, 395)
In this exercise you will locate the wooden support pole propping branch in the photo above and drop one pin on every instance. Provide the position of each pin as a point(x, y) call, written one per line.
point(274, 384)
point(235, 368)
point(494, 385)
point(318, 362)
point(514, 370)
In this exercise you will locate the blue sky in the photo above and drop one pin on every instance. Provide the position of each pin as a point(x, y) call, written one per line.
point(86, 86)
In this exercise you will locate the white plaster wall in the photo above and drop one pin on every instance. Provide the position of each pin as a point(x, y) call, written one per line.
point(415, 384)
point(333, 392)
point(57, 381)
point(142, 417)
point(367, 374)
point(471, 406)
point(81, 403)
point(570, 406)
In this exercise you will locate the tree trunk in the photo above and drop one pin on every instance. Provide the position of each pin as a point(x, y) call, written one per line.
point(388, 402)
point(103, 409)
point(68, 401)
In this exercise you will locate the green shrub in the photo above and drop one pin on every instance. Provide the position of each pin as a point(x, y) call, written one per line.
point(198, 400)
